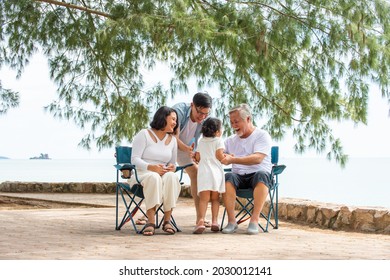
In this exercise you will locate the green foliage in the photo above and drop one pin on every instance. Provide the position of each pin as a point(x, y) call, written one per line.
point(8, 99)
point(299, 64)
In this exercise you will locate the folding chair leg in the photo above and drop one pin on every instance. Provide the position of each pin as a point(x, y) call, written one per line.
point(173, 222)
point(223, 219)
point(117, 210)
point(128, 215)
point(276, 208)
point(245, 213)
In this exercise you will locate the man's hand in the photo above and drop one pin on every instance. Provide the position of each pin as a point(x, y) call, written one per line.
point(228, 159)
point(196, 157)
point(190, 150)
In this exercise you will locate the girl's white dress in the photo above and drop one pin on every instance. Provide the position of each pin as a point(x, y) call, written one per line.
point(211, 176)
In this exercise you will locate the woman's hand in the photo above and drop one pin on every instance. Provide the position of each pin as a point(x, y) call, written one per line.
point(161, 169)
point(170, 167)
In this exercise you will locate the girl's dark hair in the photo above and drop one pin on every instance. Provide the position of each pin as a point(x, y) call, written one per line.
point(211, 126)
point(160, 118)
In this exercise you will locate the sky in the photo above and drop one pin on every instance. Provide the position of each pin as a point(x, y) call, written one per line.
point(28, 130)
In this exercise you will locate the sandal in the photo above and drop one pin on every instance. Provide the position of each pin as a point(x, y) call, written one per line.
point(141, 221)
point(207, 224)
point(198, 229)
point(168, 228)
point(149, 229)
point(214, 227)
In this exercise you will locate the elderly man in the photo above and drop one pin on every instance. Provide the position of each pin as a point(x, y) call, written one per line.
point(249, 152)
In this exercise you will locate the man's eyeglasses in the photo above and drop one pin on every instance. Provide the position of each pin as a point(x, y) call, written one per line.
point(198, 110)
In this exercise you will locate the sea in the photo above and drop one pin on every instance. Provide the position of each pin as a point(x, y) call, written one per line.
point(364, 182)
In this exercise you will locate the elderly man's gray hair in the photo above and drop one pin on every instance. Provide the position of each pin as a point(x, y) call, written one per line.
point(243, 109)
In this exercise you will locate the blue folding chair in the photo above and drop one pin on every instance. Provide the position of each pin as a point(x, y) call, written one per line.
point(246, 207)
point(133, 196)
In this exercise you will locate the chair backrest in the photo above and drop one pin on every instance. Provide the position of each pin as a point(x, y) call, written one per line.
point(275, 155)
point(123, 154)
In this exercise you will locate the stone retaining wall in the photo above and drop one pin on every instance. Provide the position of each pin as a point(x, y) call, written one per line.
point(20, 187)
point(334, 216)
point(324, 215)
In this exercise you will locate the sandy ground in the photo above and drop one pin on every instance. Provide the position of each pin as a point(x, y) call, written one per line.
point(74, 227)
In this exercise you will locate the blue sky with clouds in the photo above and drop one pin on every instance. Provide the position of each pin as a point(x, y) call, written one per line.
point(28, 130)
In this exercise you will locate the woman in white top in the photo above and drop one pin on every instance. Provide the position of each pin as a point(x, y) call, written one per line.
point(154, 155)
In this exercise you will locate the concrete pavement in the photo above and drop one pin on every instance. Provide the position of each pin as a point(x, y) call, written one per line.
point(81, 233)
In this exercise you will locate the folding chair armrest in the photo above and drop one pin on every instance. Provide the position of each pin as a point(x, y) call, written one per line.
point(181, 169)
point(124, 166)
point(278, 169)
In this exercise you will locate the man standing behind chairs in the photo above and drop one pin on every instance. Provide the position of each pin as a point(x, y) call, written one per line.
point(249, 152)
point(191, 117)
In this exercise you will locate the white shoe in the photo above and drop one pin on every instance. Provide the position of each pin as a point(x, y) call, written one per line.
point(253, 228)
point(230, 228)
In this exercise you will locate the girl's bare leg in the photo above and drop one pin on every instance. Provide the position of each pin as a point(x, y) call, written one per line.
point(214, 207)
point(204, 198)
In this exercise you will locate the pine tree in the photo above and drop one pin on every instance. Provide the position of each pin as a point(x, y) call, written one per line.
point(299, 64)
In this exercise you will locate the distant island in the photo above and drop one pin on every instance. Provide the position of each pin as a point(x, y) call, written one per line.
point(3, 157)
point(42, 156)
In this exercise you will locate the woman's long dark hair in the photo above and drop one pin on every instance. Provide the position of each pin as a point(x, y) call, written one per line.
point(160, 118)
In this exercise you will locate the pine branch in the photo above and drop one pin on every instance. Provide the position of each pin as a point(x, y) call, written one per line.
point(220, 67)
point(72, 6)
point(88, 45)
point(283, 14)
point(279, 107)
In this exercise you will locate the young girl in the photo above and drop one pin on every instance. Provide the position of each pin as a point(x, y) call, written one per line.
point(211, 177)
